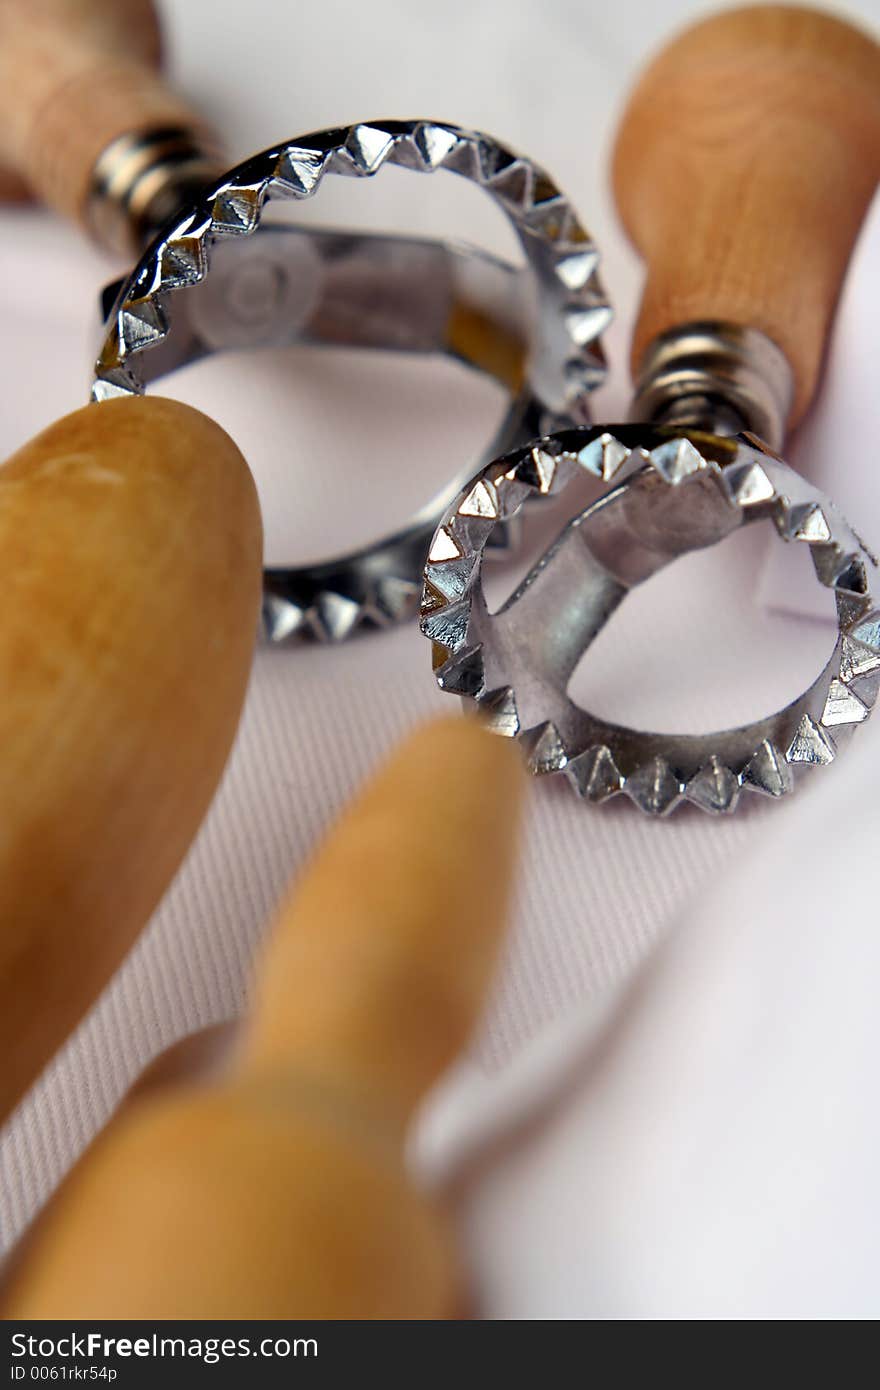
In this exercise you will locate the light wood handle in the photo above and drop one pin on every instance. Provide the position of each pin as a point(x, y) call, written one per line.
point(743, 169)
point(131, 543)
point(74, 76)
point(280, 1189)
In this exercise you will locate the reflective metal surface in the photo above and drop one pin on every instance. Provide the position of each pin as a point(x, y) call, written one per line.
point(142, 179)
point(668, 492)
point(281, 287)
point(718, 377)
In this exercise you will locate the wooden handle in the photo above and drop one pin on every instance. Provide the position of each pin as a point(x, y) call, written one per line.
point(281, 1189)
point(743, 169)
point(74, 76)
point(131, 545)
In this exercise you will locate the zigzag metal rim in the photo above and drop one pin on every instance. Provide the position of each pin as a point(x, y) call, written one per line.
point(566, 362)
point(757, 483)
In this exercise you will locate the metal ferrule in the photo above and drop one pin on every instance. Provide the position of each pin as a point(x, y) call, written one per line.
point(141, 180)
point(717, 377)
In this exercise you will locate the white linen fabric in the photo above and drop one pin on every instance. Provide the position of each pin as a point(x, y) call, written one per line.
point(696, 1143)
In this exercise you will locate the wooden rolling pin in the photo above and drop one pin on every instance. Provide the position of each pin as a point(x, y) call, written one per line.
point(88, 125)
point(743, 170)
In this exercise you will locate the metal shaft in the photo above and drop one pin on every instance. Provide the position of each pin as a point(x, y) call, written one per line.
point(716, 377)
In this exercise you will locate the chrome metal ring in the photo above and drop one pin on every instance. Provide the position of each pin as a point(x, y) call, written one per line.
point(666, 493)
point(413, 295)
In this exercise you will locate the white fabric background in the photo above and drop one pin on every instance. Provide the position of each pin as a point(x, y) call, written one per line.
point(703, 645)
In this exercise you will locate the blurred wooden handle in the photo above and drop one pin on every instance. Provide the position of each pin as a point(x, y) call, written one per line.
point(131, 544)
point(281, 1188)
point(743, 169)
point(75, 75)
